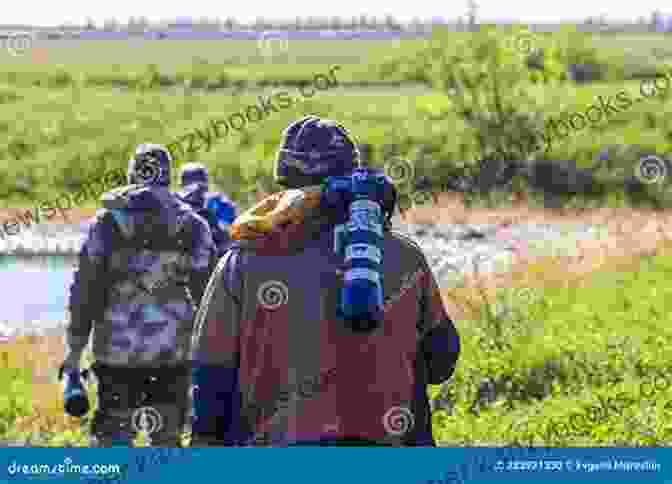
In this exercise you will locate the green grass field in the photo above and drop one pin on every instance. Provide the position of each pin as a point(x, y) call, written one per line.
point(57, 139)
point(204, 63)
point(581, 365)
point(84, 108)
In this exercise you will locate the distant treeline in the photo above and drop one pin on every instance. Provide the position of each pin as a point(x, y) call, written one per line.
point(657, 22)
point(363, 22)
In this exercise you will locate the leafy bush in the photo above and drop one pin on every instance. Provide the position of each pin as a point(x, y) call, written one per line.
point(486, 82)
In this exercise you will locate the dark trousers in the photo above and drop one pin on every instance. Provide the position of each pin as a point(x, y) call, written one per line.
point(130, 399)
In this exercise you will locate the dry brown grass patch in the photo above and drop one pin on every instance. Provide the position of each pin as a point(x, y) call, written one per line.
point(43, 355)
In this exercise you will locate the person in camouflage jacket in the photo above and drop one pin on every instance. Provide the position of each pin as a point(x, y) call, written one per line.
point(142, 272)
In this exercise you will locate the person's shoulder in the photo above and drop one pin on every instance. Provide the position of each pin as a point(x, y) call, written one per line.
point(404, 257)
point(406, 244)
point(196, 220)
point(103, 216)
point(190, 218)
point(103, 226)
point(221, 196)
point(230, 262)
point(100, 214)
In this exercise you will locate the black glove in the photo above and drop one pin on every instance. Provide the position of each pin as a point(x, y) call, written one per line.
point(75, 399)
point(84, 374)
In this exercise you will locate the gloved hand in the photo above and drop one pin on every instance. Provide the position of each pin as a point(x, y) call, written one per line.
point(65, 367)
point(75, 399)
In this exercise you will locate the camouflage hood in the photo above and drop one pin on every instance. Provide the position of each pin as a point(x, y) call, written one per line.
point(136, 199)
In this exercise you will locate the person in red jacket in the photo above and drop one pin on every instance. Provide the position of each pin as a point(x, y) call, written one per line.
point(274, 365)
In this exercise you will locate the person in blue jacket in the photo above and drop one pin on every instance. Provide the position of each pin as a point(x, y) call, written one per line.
point(216, 208)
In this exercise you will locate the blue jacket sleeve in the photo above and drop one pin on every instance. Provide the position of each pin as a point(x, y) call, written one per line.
point(441, 350)
point(440, 342)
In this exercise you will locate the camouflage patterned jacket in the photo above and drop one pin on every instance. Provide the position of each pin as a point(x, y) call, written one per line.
point(279, 368)
point(142, 272)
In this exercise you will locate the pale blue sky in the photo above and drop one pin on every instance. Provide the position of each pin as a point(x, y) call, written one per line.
point(55, 12)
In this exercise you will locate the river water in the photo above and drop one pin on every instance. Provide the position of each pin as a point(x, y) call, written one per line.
point(35, 285)
point(35, 288)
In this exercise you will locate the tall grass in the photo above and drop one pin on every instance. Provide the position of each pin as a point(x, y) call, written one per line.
point(31, 412)
point(66, 121)
point(538, 353)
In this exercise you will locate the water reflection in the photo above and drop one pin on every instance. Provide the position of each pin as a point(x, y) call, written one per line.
point(35, 289)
